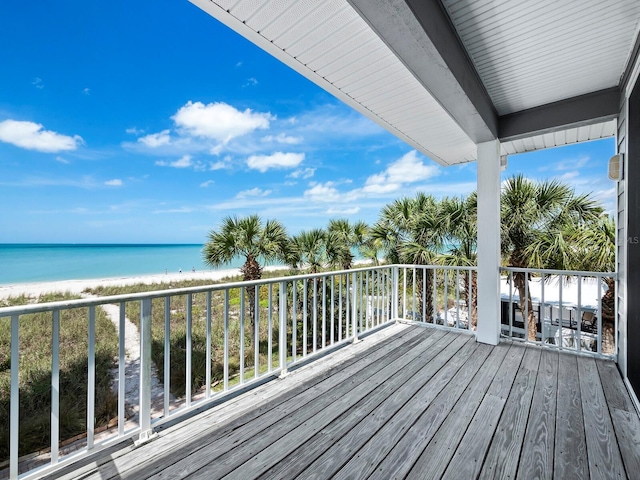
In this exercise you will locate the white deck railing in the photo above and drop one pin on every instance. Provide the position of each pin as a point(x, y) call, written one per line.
point(437, 295)
point(297, 318)
point(567, 307)
point(317, 313)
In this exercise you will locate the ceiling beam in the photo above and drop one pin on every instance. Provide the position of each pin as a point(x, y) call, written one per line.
point(577, 111)
point(422, 36)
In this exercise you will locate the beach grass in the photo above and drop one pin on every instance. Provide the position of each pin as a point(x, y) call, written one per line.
point(35, 335)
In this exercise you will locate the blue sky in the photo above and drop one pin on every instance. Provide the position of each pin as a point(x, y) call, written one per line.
point(148, 122)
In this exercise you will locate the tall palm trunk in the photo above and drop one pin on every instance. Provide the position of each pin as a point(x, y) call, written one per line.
point(526, 305)
point(470, 282)
point(424, 287)
point(251, 270)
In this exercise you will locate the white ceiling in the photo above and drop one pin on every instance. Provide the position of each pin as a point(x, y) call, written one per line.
point(530, 53)
point(527, 53)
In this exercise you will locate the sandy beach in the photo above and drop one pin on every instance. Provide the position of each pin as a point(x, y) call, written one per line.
point(77, 286)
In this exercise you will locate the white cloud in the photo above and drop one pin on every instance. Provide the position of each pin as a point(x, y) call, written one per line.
point(218, 165)
point(155, 140)
point(183, 162)
point(174, 210)
point(134, 131)
point(568, 176)
point(37, 82)
point(327, 192)
point(282, 138)
point(207, 184)
point(32, 136)
point(572, 163)
point(275, 160)
point(254, 192)
point(218, 121)
point(86, 91)
point(408, 169)
point(251, 82)
point(116, 182)
point(303, 173)
point(62, 160)
point(343, 211)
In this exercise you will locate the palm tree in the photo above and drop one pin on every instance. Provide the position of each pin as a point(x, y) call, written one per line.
point(534, 216)
point(461, 217)
point(594, 250)
point(345, 236)
point(411, 231)
point(252, 239)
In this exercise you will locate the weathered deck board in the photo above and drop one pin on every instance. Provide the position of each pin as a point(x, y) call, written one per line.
point(225, 453)
point(536, 457)
point(502, 458)
point(347, 433)
point(570, 457)
point(403, 384)
point(343, 450)
point(604, 455)
point(401, 438)
point(623, 415)
point(436, 455)
point(406, 403)
point(471, 451)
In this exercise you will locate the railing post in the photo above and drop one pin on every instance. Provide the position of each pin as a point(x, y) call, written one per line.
point(282, 316)
point(145, 371)
point(354, 307)
point(14, 408)
point(395, 292)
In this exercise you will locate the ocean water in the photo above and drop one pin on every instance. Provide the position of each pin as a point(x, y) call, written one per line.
point(22, 263)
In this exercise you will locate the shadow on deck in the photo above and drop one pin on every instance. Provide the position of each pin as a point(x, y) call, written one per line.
point(407, 402)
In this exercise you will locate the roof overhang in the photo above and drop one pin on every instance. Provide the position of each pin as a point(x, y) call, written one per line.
point(446, 75)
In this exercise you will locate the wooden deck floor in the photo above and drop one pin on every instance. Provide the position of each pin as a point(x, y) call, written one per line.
point(407, 402)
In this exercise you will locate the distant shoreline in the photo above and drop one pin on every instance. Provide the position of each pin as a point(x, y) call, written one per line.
point(77, 286)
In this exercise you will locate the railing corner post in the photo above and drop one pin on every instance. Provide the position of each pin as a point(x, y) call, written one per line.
point(395, 293)
point(354, 309)
point(282, 317)
point(145, 371)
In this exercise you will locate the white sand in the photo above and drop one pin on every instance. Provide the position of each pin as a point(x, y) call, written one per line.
point(77, 286)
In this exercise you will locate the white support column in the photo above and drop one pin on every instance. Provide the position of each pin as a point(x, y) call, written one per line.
point(489, 242)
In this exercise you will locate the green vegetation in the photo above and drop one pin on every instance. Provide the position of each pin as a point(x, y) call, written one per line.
point(35, 374)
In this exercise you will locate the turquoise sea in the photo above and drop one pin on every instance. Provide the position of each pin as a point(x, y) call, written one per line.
point(22, 263)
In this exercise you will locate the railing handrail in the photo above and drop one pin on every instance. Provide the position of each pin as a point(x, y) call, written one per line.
point(151, 294)
point(438, 267)
point(571, 273)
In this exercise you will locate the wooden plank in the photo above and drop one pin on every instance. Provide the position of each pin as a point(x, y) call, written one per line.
point(436, 454)
point(227, 453)
point(627, 427)
point(570, 458)
point(604, 456)
point(192, 437)
point(470, 453)
point(502, 458)
point(412, 424)
point(623, 416)
point(614, 390)
point(330, 425)
point(536, 457)
point(359, 439)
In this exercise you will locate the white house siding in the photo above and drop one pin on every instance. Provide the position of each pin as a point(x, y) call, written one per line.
point(621, 258)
